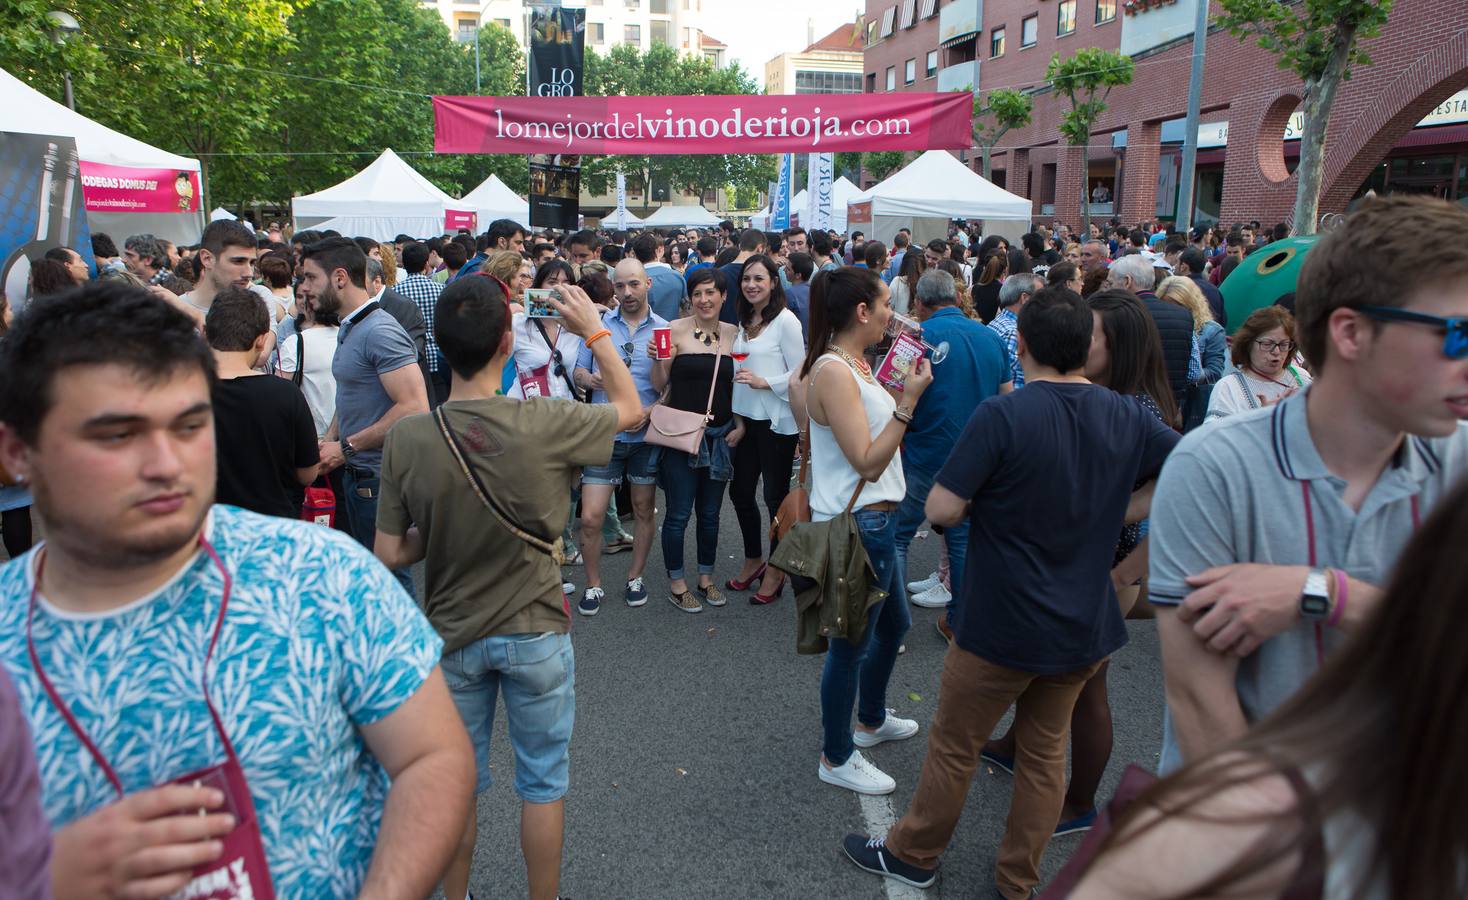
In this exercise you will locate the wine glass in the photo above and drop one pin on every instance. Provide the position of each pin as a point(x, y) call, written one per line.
point(900, 324)
point(740, 351)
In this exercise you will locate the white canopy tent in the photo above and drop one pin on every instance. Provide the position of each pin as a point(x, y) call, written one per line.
point(386, 199)
point(28, 111)
point(633, 220)
point(492, 200)
point(682, 217)
point(929, 192)
point(842, 190)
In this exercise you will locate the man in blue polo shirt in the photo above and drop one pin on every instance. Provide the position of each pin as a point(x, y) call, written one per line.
point(974, 369)
point(631, 325)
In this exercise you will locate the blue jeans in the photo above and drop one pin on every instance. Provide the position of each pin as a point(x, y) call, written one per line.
point(361, 488)
point(910, 517)
point(631, 460)
point(537, 675)
point(865, 668)
point(687, 489)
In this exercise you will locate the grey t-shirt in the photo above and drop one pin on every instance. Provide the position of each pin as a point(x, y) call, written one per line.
point(368, 347)
point(1233, 491)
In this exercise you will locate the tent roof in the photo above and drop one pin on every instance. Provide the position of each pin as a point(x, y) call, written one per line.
point(493, 199)
point(28, 111)
point(937, 184)
point(680, 215)
point(388, 187)
point(632, 219)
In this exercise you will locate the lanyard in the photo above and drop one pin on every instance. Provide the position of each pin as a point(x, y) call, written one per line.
point(1310, 536)
point(65, 710)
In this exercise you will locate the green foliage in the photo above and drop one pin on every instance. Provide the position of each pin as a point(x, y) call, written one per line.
point(881, 163)
point(1304, 35)
point(1085, 79)
point(848, 164)
point(998, 111)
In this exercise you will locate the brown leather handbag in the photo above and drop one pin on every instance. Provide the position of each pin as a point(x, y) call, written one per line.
point(795, 508)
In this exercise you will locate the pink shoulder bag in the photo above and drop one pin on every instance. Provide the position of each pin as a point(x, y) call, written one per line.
point(681, 429)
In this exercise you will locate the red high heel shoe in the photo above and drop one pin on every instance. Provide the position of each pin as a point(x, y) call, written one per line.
point(758, 599)
point(735, 585)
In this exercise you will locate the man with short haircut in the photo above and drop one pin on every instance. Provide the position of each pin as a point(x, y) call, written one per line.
point(1038, 613)
point(493, 597)
point(423, 292)
point(262, 425)
point(1094, 255)
point(1233, 248)
point(1014, 293)
point(454, 257)
point(503, 234)
point(162, 622)
point(146, 258)
point(631, 325)
point(874, 256)
point(900, 242)
point(820, 248)
point(935, 252)
point(542, 253)
point(1305, 506)
point(799, 269)
point(796, 240)
point(581, 247)
point(854, 248)
point(227, 255)
point(1194, 264)
point(1180, 350)
point(104, 253)
point(976, 368)
point(667, 289)
point(705, 249)
point(378, 380)
point(751, 241)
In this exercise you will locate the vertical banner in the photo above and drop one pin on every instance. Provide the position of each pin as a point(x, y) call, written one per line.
point(621, 202)
point(557, 49)
point(780, 202)
point(818, 190)
point(40, 181)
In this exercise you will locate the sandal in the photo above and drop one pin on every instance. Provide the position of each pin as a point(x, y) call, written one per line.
point(736, 585)
point(686, 602)
point(711, 595)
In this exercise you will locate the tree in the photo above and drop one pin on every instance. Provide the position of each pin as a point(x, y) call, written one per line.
point(881, 163)
point(1085, 79)
point(849, 165)
point(1317, 40)
point(995, 114)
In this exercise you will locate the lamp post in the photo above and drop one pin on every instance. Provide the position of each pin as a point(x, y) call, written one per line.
point(63, 26)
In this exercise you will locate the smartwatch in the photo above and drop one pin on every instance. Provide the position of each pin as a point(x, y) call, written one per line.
point(1315, 599)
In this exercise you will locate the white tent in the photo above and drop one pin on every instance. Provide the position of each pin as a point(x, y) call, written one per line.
point(929, 192)
point(681, 216)
point(842, 190)
point(28, 111)
point(492, 200)
point(384, 200)
point(633, 220)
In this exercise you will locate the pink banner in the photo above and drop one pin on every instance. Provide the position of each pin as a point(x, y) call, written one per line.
point(126, 189)
point(797, 123)
point(455, 219)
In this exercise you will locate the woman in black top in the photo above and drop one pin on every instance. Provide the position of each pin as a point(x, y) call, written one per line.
point(700, 344)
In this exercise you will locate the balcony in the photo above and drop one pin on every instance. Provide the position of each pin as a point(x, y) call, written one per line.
point(958, 77)
point(958, 21)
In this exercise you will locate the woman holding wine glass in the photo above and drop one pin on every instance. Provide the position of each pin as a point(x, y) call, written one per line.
point(767, 351)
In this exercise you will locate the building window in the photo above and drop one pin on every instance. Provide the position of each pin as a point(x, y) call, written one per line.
point(929, 8)
point(891, 78)
point(467, 29)
point(909, 71)
point(809, 82)
point(871, 32)
point(632, 34)
point(661, 32)
point(889, 19)
point(1105, 11)
point(909, 13)
point(660, 7)
point(1065, 17)
point(871, 82)
point(1029, 31)
point(996, 42)
point(932, 63)
point(597, 32)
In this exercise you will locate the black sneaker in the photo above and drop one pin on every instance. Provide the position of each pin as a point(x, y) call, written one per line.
point(590, 603)
point(873, 856)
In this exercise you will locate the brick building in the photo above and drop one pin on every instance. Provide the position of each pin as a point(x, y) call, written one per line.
point(1245, 163)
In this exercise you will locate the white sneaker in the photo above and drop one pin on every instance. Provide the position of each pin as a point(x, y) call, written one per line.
point(936, 597)
point(927, 584)
point(892, 729)
point(857, 775)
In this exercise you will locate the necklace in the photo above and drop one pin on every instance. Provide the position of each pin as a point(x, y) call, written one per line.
point(707, 337)
point(859, 366)
point(1258, 376)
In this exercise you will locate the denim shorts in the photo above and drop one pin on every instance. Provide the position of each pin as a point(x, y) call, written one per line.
point(537, 674)
point(637, 462)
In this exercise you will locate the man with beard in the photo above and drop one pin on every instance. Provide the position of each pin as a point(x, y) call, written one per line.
point(155, 634)
point(377, 379)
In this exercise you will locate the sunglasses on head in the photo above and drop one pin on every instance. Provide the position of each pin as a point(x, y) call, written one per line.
point(1455, 337)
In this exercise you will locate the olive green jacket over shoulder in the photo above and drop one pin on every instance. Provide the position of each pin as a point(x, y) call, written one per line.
point(835, 585)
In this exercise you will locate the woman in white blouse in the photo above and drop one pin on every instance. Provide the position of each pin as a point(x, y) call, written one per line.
point(310, 350)
point(1263, 349)
point(545, 353)
point(772, 337)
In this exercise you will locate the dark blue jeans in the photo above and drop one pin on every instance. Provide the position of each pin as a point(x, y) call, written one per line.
point(361, 489)
point(689, 490)
point(910, 517)
point(864, 669)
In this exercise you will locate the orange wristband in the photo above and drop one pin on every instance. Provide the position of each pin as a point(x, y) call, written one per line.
point(598, 336)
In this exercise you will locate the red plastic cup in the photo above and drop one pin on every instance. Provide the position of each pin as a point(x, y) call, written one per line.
point(663, 342)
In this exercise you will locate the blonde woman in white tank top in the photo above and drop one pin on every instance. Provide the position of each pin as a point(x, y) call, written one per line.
point(856, 427)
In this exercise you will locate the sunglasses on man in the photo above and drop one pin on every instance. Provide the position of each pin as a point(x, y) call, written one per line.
point(1455, 337)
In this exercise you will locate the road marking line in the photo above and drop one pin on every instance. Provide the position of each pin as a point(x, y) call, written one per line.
point(877, 815)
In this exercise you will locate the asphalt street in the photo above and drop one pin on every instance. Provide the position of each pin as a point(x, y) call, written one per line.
point(693, 763)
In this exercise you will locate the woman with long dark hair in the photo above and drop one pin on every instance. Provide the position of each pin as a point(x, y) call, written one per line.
point(1353, 789)
point(1126, 356)
point(988, 279)
point(856, 428)
point(904, 286)
point(772, 345)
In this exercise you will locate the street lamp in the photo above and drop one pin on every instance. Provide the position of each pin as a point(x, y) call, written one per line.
point(63, 26)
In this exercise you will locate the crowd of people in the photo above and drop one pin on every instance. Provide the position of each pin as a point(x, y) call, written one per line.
point(217, 668)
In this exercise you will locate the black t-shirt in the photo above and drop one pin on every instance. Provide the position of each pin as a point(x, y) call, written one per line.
point(263, 433)
point(688, 385)
point(1049, 469)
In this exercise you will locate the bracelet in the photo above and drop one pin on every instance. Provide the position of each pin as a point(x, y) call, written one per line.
point(902, 417)
point(598, 336)
point(1342, 591)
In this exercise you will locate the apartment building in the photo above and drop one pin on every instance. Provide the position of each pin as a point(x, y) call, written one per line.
point(832, 65)
point(608, 23)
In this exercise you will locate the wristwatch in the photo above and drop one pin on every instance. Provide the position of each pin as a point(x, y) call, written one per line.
point(347, 448)
point(1315, 599)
